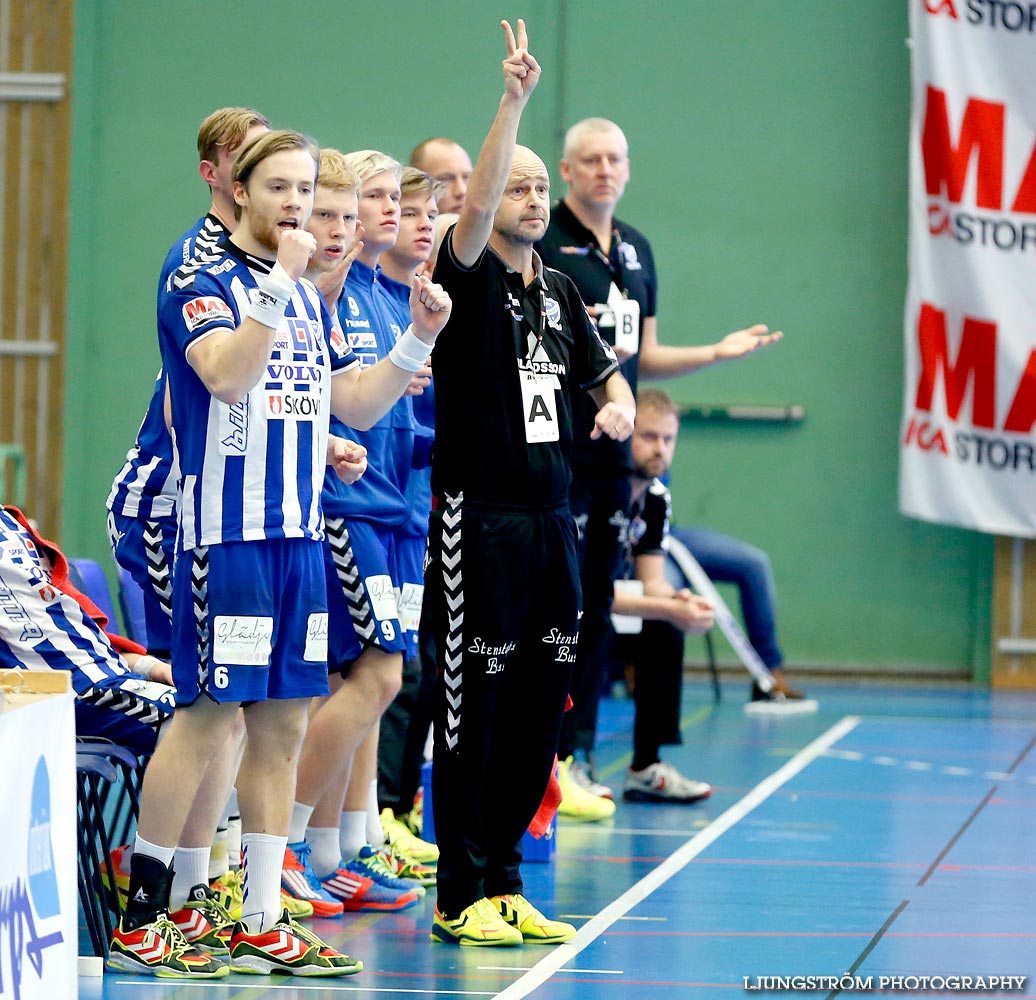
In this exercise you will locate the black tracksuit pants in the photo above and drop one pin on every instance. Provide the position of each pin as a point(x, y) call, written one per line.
point(504, 592)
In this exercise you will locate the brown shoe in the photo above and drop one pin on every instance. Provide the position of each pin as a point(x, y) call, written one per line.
point(780, 685)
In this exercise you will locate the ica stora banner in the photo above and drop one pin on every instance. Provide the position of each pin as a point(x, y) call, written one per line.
point(968, 438)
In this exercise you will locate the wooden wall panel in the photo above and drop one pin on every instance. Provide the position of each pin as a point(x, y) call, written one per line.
point(35, 129)
point(1014, 614)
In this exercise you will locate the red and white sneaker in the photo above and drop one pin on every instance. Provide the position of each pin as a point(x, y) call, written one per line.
point(287, 948)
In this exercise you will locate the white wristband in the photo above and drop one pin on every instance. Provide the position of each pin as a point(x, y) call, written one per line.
point(410, 352)
point(144, 666)
point(271, 297)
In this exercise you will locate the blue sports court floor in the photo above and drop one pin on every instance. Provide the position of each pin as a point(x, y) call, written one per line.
point(891, 835)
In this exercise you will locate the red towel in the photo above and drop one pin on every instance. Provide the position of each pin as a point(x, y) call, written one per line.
point(551, 797)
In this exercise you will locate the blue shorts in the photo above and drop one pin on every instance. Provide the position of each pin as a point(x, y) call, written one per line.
point(146, 549)
point(250, 621)
point(129, 711)
point(362, 591)
point(410, 555)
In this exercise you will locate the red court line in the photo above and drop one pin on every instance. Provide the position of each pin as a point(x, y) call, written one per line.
point(860, 864)
point(805, 863)
point(820, 934)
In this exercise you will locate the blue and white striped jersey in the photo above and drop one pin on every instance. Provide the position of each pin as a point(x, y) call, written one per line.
point(43, 628)
point(251, 470)
point(145, 486)
point(371, 329)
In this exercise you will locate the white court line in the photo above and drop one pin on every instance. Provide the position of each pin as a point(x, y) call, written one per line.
point(248, 989)
point(590, 931)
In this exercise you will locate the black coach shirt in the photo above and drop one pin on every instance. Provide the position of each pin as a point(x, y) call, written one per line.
point(508, 366)
point(570, 247)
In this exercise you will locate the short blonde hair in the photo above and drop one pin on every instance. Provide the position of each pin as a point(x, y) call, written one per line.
point(369, 162)
point(226, 129)
point(267, 145)
point(589, 126)
point(417, 182)
point(336, 174)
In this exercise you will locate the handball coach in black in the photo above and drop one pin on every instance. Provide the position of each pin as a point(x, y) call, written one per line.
point(502, 573)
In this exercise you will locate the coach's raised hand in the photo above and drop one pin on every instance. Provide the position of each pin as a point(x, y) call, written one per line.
point(521, 71)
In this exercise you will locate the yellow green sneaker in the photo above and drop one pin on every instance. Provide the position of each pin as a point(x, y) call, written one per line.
point(533, 926)
point(479, 925)
point(404, 843)
point(230, 892)
point(576, 802)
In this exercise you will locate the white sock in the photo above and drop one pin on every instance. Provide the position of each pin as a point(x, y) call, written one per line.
point(375, 831)
point(352, 833)
point(325, 852)
point(190, 868)
point(262, 858)
point(163, 854)
point(300, 814)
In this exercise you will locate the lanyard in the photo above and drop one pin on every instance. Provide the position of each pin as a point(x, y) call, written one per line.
point(543, 326)
point(520, 326)
point(614, 266)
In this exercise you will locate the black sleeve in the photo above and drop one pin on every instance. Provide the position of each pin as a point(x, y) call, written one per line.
point(657, 510)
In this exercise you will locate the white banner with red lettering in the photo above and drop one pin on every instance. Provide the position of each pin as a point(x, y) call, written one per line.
point(967, 443)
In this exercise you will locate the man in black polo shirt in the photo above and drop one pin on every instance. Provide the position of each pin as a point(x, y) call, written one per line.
point(502, 573)
point(614, 269)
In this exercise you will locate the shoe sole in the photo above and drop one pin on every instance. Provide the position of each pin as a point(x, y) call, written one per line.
point(586, 818)
point(636, 795)
point(807, 706)
point(391, 907)
point(466, 943)
point(256, 966)
point(124, 963)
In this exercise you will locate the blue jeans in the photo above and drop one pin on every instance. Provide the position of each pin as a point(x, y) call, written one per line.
point(727, 560)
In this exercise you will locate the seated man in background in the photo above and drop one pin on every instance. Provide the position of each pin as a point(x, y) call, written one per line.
point(121, 693)
point(655, 648)
point(730, 560)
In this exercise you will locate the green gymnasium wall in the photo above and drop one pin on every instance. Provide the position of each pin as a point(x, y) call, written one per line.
point(768, 144)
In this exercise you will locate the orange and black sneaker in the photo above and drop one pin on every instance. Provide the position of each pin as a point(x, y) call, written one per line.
point(159, 949)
